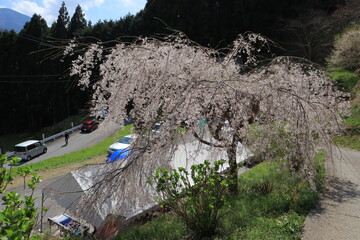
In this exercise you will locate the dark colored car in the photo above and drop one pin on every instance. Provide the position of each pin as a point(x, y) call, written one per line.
point(89, 126)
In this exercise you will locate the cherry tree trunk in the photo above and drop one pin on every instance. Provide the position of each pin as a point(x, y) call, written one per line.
point(233, 171)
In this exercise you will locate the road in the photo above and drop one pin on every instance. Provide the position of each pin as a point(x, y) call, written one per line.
point(337, 217)
point(77, 141)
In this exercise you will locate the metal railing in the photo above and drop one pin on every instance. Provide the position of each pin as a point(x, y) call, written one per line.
point(53, 137)
point(60, 134)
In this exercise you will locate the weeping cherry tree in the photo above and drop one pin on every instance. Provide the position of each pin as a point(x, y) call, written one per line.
point(284, 107)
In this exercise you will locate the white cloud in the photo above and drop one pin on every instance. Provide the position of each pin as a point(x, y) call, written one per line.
point(46, 10)
point(87, 4)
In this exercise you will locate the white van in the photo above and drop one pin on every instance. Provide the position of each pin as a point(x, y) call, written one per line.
point(29, 149)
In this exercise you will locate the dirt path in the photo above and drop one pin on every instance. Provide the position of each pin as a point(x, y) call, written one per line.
point(337, 216)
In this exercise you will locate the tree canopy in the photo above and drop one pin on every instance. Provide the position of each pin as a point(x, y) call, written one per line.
point(282, 108)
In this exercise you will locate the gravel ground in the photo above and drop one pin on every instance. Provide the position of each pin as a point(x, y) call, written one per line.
point(337, 217)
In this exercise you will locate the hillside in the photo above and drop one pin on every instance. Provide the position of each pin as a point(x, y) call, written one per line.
point(12, 20)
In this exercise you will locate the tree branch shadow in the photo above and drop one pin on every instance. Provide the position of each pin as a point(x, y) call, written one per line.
point(337, 191)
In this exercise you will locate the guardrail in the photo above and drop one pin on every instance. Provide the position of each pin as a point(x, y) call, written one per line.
point(60, 134)
point(53, 137)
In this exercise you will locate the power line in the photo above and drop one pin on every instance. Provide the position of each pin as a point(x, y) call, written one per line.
point(30, 76)
point(58, 81)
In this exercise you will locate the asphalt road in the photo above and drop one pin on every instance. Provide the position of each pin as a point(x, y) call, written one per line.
point(77, 141)
point(337, 216)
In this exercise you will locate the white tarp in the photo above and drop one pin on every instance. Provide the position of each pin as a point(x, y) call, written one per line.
point(129, 195)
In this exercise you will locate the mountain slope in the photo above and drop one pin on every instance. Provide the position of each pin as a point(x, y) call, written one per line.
point(10, 19)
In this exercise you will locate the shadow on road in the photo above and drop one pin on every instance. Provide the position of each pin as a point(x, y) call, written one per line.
point(85, 132)
point(338, 191)
point(22, 161)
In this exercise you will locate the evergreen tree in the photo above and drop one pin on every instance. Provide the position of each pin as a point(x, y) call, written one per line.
point(77, 23)
point(28, 101)
point(59, 28)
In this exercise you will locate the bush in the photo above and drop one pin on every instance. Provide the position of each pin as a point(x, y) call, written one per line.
point(18, 216)
point(196, 197)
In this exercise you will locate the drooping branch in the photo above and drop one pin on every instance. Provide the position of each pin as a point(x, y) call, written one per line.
point(207, 142)
point(273, 109)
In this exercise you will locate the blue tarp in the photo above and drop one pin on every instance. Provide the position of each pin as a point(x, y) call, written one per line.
point(118, 155)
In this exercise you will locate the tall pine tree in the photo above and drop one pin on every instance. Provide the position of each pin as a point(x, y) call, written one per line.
point(59, 28)
point(77, 23)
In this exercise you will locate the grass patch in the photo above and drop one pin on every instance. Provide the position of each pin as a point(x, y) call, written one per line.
point(353, 121)
point(78, 156)
point(351, 137)
point(349, 82)
point(346, 79)
point(165, 227)
point(319, 164)
point(350, 141)
point(275, 214)
point(272, 204)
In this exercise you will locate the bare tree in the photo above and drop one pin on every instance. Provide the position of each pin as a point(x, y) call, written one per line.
point(280, 109)
point(311, 33)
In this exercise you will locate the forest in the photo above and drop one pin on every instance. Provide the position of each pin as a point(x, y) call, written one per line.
point(35, 87)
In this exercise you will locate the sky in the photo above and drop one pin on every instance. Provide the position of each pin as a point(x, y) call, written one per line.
point(94, 10)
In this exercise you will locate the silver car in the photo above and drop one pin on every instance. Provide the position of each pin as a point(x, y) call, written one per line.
point(29, 149)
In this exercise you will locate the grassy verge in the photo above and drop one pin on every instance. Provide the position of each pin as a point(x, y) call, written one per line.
point(349, 141)
point(272, 204)
point(349, 82)
point(78, 156)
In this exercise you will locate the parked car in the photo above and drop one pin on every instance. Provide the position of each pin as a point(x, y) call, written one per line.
point(89, 126)
point(123, 143)
point(156, 128)
point(29, 149)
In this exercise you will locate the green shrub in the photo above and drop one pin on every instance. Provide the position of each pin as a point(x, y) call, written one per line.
point(258, 212)
point(18, 215)
point(195, 196)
